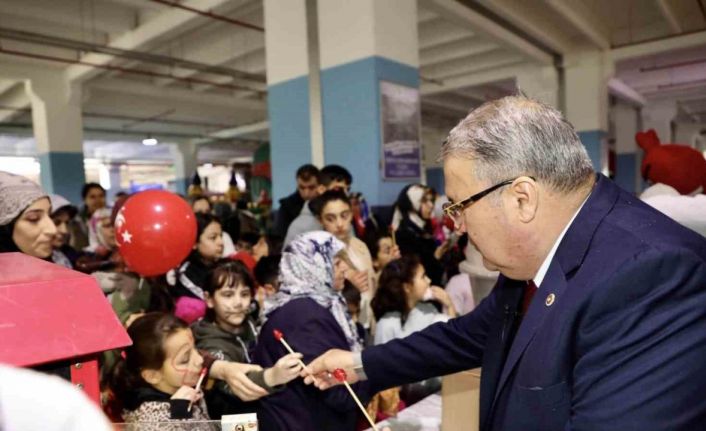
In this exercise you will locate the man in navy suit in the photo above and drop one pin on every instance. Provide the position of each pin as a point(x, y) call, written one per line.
point(598, 321)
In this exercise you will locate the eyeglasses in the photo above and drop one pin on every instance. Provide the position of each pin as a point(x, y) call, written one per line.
point(455, 210)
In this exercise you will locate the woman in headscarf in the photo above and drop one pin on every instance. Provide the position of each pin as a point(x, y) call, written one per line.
point(25, 223)
point(412, 223)
point(312, 315)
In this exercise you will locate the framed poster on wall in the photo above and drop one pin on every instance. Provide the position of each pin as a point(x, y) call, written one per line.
point(400, 113)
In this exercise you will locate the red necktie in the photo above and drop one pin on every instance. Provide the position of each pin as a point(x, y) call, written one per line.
point(530, 290)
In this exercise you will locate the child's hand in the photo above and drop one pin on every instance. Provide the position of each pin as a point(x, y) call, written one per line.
point(285, 370)
point(187, 393)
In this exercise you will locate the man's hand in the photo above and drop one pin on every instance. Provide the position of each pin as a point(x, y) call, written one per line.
point(322, 367)
point(233, 373)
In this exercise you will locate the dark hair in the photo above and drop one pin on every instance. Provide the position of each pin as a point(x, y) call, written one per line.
point(87, 188)
point(318, 203)
point(331, 173)
point(307, 172)
point(391, 295)
point(403, 203)
point(373, 243)
point(195, 199)
point(250, 238)
point(350, 293)
point(148, 334)
point(228, 273)
point(7, 244)
point(202, 222)
point(267, 269)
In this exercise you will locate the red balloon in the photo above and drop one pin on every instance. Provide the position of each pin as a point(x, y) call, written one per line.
point(155, 231)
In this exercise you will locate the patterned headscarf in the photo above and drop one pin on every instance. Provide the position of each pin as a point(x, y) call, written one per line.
point(307, 271)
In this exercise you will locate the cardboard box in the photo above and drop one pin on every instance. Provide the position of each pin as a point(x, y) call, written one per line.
point(460, 395)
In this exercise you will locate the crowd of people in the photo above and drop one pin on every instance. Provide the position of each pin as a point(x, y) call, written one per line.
point(396, 296)
point(329, 274)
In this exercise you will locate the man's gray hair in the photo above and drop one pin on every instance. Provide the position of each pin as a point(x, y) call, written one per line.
point(516, 136)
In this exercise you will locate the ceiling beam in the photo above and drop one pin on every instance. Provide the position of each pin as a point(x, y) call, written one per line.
point(670, 16)
point(178, 94)
point(167, 24)
point(453, 50)
point(471, 64)
point(470, 80)
point(577, 13)
point(535, 21)
point(620, 89)
point(457, 13)
point(235, 132)
point(659, 46)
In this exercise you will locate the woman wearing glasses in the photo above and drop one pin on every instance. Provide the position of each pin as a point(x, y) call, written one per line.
point(412, 224)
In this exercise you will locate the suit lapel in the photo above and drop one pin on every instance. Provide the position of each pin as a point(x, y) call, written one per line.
point(554, 283)
point(499, 339)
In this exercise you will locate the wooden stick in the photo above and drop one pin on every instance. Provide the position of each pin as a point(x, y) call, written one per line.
point(280, 337)
point(198, 384)
point(340, 375)
point(394, 239)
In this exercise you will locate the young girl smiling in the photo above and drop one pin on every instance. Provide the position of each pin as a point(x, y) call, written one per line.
point(229, 332)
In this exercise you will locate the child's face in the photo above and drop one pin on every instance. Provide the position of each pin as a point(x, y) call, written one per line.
point(340, 268)
point(420, 284)
point(182, 363)
point(384, 255)
point(210, 245)
point(231, 305)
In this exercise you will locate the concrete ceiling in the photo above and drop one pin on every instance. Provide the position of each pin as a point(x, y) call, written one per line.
point(468, 50)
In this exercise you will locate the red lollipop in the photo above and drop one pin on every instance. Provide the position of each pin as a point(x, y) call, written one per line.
point(155, 231)
point(340, 375)
point(278, 335)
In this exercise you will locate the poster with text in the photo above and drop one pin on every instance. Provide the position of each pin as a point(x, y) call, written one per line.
point(401, 118)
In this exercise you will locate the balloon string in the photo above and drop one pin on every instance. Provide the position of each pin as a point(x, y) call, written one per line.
point(142, 281)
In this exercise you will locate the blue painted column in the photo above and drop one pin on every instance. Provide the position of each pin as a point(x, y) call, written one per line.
point(287, 58)
point(58, 131)
point(627, 172)
point(362, 44)
point(586, 80)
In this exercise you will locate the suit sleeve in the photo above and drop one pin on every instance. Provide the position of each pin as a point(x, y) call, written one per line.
point(440, 349)
point(641, 347)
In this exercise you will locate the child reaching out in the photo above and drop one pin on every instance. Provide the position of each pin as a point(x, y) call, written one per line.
point(155, 380)
point(228, 332)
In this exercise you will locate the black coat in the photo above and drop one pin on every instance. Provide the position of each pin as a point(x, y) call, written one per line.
point(289, 209)
point(311, 330)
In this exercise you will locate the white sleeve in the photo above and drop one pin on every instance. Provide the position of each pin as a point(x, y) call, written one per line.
point(387, 329)
point(34, 401)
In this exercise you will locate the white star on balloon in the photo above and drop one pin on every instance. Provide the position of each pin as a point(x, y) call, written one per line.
point(126, 237)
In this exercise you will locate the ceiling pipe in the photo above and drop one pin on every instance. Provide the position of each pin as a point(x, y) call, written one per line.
point(132, 118)
point(98, 130)
point(126, 70)
point(60, 42)
point(211, 15)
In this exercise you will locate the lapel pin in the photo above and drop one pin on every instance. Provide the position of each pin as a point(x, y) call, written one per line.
point(550, 300)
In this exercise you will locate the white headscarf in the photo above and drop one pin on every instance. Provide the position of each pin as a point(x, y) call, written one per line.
point(414, 193)
point(307, 271)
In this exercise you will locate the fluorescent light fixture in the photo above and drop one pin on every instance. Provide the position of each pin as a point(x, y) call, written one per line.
point(150, 141)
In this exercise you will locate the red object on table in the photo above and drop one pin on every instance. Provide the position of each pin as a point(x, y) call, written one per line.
point(50, 314)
